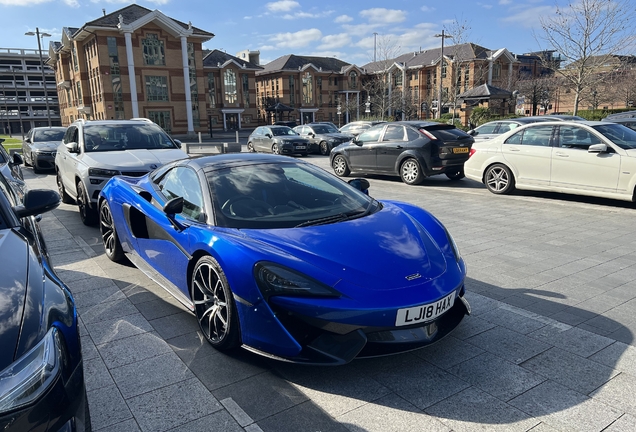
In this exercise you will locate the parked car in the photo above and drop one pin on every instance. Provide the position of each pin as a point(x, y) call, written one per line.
point(41, 368)
point(412, 150)
point(322, 137)
point(288, 123)
point(94, 151)
point(562, 117)
point(277, 140)
point(40, 145)
point(10, 169)
point(277, 256)
point(497, 127)
point(579, 157)
point(357, 127)
point(625, 118)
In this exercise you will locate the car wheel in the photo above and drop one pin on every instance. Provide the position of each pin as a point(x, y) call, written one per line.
point(36, 170)
point(250, 147)
point(411, 172)
point(88, 215)
point(275, 149)
point(340, 166)
point(456, 175)
point(27, 162)
point(112, 246)
point(499, 179)
point(214, 304)
point(324, 148)
point(66, 198)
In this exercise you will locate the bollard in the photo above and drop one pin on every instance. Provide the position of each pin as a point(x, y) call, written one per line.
point(200, 140)
point(237, 138)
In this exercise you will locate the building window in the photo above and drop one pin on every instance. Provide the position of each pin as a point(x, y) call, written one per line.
point(292, 91)
point(353, 83)
point(230, 86)
point(496, 70)
point(154, 54)
point(74, 53)
point(194, 89)
point(212, 90)
point(79, 93)
point(397, 78)
point(246, 90)
point(156, 88)
point(118, 100)
point(319, 87)
point(308, 90)
point(444, 67)
point(162, 118)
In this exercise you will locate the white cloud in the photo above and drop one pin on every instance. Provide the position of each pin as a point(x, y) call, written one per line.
point(297, 39)
point(267, 48)
point(530, 17)
point(247, 17)
point(301, 14)
point(157, 2)
point(360, 30)
point(343, 19)
point(427, 9)
point(505, 2)
point(383, 15)
point(484, 5)
point(334, 41)
point(336, 54)
point(282, 6)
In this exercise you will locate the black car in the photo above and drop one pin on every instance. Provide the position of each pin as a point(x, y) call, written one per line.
point(10, 169)
point(355, 128)
point(322, 136)
point(277, 140)
point(41, 369)
point(411, 149)
point(40, 145)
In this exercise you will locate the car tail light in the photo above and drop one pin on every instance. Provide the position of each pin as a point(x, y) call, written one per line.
point(428, 134)
point(472, 152)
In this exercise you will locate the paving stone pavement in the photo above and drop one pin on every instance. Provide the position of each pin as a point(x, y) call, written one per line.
point(549, 346)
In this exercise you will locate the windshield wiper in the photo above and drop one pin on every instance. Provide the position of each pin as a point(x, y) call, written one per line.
point(355, 214)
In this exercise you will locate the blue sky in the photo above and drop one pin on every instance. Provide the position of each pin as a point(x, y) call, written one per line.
point(343, 28)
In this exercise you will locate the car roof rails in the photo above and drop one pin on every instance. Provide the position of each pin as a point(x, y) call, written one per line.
point(147, 120)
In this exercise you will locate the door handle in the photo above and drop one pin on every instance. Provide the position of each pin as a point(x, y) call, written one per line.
point(514, 149)
point(399, 147)
point(562, 154)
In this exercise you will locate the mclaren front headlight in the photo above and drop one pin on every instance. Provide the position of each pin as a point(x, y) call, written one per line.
point(451, 240)
point(26, 379)
point(274, 279)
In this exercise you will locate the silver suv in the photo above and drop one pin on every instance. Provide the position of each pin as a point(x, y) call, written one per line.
point(93, 151)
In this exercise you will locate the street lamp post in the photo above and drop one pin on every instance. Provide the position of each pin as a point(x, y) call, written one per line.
point(339, 113)
point(46, 93)
point(367, 106)
point(375, 35)
point(441, 69)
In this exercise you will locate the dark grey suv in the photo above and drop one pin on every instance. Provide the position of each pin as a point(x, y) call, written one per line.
point(277, 140)
point(322, 136)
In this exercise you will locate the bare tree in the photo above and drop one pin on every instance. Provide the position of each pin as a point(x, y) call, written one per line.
point(459, 31)
point(537, 91)
point(378, 84)
point(585, 33)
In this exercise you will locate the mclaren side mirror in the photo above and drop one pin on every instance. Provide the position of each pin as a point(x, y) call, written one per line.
point(37, 201)
point(360, 184)
point(171, 208)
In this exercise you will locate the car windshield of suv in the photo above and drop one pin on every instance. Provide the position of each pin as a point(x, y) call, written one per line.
point(283, 195)
point(117, 137)
point(620, 135)
point(48, 135)
point(323, 129)
point(280, 131)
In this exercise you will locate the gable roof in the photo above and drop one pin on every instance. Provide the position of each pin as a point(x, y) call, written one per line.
point(217, 58)
point(485, 91)
point(295, 62)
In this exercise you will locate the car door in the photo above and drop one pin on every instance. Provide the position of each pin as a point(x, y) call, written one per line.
point(529, 154)
point(362, 154)
point(573, 167)
point(266, 140)
point(256, 138)
point(68, 160)
point(394, 141)
point(166, 247)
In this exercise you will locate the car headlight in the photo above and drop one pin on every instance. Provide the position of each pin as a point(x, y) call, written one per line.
point(98, 172)
point(274, 279)
point(451, 240)
point(32, 374)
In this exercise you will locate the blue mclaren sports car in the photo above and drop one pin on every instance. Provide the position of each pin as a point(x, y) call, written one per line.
point(286, 260)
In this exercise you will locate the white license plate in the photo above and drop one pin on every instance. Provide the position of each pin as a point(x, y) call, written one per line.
point(300, 147)
point(424, 313)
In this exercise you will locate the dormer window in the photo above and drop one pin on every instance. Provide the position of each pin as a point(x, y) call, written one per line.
point(353, 79)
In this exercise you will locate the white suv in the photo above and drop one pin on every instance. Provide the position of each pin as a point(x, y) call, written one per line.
point(93, 151)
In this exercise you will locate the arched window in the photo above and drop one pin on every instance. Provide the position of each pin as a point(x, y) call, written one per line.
point(230, 86)
point(308, 91)
point(353, 79)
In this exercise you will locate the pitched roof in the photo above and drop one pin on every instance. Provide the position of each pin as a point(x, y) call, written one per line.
point(485, 91)
point(293, 62)
point(131, 14)
point(215, 57)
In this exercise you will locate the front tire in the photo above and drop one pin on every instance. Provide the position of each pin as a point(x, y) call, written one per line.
point(250, 147)
point(110, 240)
point(66, 198)
point(324, 148)
point(411, 172)
point(275, 149)
point(499, 179)
point(214, 304)
point(88, 215)
point(340, 166)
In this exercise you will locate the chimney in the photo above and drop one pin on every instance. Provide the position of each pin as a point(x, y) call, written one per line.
point(104, 12)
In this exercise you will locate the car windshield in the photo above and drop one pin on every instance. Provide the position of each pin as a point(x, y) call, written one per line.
point(329, 128)
point(279, 131)
point(323, 129)
point(620, 135)
point(48, 135)
point(116, 137)
point(283, 195)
